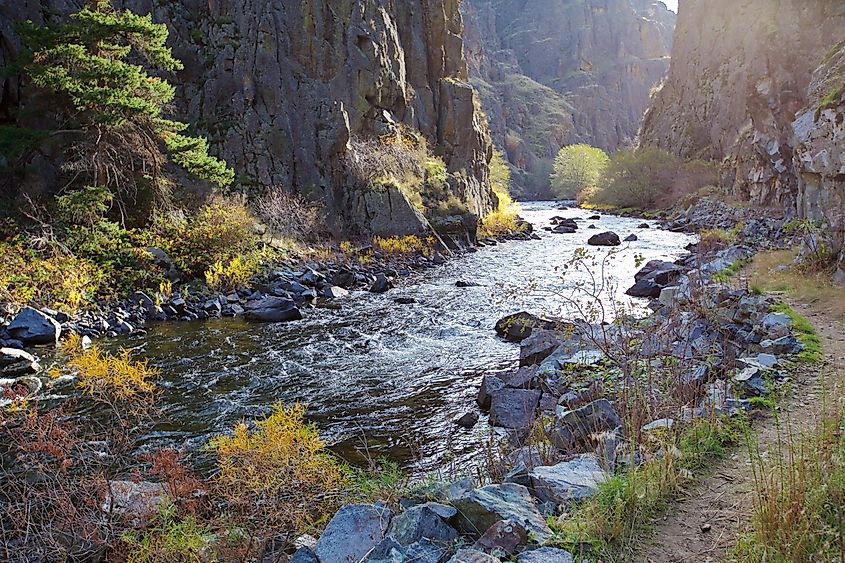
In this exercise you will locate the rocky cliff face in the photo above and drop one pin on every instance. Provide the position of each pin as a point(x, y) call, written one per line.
point(554, 72)
point(819, 140)
point(281, 87)
point(739, 74)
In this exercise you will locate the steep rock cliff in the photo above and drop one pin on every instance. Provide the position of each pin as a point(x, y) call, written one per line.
point(739, 73)
point(554, 72)
point(280, 87)
point(819, 139)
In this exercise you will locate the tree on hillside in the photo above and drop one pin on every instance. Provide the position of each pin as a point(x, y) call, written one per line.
point(101, 70)
point(577, 168)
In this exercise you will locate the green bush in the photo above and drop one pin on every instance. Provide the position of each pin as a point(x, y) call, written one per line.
point(637, 178)
point(577, 168)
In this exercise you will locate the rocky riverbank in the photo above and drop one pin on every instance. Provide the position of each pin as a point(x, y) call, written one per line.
point(590, 401)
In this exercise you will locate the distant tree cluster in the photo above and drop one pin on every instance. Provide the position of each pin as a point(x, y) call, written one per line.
point(645, 177)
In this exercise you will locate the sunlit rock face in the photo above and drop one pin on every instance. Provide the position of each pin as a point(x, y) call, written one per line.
point(738, 77)
point(819, 138)
point(554, 72)
point(280, 87)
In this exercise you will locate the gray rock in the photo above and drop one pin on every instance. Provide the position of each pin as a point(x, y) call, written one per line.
point(539, 346)
point(631, 238)
point(467, 420)
point(445, 511)
point(567, 482)
point(15, 362)
point(514, 408)
point(489, 385)
point(608, 238)
point(466, 555)
point(526, 377)
point(519, 326)
point(272, 310)
point(481, 508)
point(352, 533)
point(335, 292)
point(161, 259)
point(31, 327)
point(573, 427)
point(660, 424)
point(451, 491)
point(420, 522)
point(304, 555)
point(545, 555)
point(502, 537)
point(381, 284)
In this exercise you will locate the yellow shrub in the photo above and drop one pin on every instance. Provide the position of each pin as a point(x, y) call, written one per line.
point(237, 272)
point(218, 232)
point(505, 219)
point(107, 377)
point(278, 477)
point(58, 280)
point(410, 244)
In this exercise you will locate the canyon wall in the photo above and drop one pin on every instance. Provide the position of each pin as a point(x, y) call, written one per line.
point(739, 75)
point(555, 72)
point(280, 88)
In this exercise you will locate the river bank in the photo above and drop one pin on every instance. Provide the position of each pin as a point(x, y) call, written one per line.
point(390, 373)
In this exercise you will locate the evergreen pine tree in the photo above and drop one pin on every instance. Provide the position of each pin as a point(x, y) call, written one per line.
point(103, 66)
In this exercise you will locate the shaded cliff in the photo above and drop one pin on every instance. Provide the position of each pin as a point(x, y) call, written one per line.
point(554, 72)
point(281, 87)
point(739, 73)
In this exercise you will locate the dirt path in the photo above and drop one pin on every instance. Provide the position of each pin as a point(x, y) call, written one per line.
point(703, 525)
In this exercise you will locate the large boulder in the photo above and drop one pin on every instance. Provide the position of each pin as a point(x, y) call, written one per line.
point(567, 482)
point(14, 362)
point(352, 533)
point(466, 555)
point(31, 327)
point(481, 508)
point(539, 346)
point(519, 326)
point(608, 238)
point(514, 408)
point(421, 522)
point(545, 555)
point(576, 426)
point(272, 310)
point(489, 385)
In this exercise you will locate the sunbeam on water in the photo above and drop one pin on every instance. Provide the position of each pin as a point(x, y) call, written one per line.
point(379, 377)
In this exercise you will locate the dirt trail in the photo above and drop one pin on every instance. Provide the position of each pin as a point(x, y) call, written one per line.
point(703, 525)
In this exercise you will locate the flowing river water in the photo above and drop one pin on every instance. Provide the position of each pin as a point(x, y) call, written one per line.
point(379, 378)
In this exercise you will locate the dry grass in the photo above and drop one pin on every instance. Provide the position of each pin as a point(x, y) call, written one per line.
point(771, 271)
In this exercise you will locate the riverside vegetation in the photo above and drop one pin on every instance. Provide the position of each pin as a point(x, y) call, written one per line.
point(610, 415)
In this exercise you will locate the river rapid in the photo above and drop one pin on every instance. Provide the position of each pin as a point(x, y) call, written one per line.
point(380, 378)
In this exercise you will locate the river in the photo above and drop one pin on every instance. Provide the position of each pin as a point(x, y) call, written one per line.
point(381, 378)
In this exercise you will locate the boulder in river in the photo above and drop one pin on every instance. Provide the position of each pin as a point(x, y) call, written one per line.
point(31, 327)
point(489, 385)
point(608, 238)
point(272, 310)
point(381, 284)
point(14, 362)
point(519, 326)
point(353, 531)
point(631, 238)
